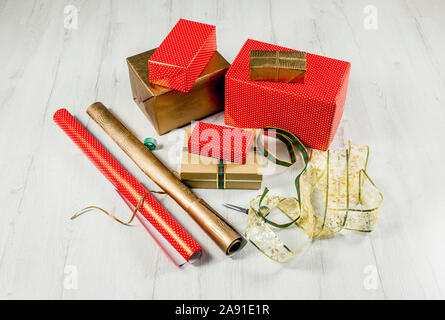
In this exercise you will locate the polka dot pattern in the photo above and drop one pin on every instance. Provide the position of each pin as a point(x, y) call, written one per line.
point(311, 110)
point(127, 185)
point(220, 142)
point(182, 56)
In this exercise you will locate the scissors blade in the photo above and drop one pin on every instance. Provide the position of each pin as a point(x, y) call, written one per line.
point(236, 208)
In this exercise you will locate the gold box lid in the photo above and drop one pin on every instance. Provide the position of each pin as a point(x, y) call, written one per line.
point(274, 65)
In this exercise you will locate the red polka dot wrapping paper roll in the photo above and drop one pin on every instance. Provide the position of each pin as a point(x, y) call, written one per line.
point(132, 191)
point(220, 142)
point(311, 110)
point(181, 57)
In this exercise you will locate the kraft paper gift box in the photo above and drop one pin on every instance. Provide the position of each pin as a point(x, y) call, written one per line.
point(181, 57)
point(198, 171)
point(220, 142)
point(311, 110)
point(168, 109)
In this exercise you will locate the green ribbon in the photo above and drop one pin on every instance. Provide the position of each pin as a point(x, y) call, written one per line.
point(220, 176)
point(290, 141)
point(334, 192)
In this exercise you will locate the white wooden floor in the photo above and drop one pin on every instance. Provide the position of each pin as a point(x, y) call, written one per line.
point(395, 103)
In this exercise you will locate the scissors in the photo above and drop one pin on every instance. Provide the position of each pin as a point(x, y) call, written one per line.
point(243, 210)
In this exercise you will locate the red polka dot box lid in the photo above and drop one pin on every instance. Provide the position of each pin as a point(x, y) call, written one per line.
point(220, 142)
point(181, 57)
point(311, 110)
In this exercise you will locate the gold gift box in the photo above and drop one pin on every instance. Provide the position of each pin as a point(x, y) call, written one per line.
point(168, 109)
point(202, 172)
point(279, 66)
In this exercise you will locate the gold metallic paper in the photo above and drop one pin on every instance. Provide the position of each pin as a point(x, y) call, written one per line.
point(168, 109)
point(201, 172)
point(279, 66)
point(213, 224)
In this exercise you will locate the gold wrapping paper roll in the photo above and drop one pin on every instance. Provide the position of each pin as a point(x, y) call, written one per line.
point(213, 224)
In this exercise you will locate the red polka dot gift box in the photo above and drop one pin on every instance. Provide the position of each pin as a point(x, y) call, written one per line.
point(220, 142)
point(198, 171)
point(311, 110)
point(182, 56)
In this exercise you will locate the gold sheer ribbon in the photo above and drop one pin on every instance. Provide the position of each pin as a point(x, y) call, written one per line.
point(335, 193)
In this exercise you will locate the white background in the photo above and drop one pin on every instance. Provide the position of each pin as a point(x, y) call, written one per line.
point(395, 103)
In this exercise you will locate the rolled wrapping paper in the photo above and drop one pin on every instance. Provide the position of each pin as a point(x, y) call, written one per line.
point(213, 224)
point(175, 241)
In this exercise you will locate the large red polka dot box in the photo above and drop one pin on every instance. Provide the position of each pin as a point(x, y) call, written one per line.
point(311, 110)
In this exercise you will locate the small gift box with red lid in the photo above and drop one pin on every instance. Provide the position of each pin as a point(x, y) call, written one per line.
point(183, 54)
point(311, 110)
point(220, 142)
point(199, 171)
